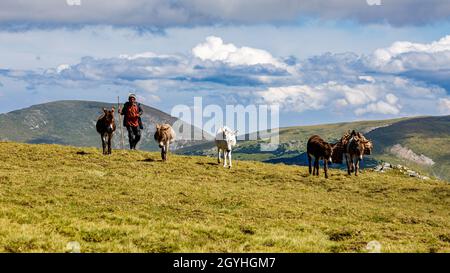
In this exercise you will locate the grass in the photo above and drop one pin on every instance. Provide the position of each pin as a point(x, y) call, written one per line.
point(132, 202)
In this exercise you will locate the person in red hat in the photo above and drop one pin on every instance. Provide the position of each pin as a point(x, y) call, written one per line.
point(132, 112)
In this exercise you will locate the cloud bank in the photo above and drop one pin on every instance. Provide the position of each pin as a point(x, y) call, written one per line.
point(349, 85)
point(161, 13)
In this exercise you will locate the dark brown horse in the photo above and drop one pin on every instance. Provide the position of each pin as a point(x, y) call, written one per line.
point(106, 127)
point(319, 149)
point(356, 146)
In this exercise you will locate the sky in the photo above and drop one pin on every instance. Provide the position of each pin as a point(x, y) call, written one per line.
point(320, 61)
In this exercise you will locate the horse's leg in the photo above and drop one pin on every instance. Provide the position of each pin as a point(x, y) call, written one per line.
point(316, 166)
point(167, 149)
point(309, 163)
point(325, 167)
point(229, 159)
point(348, 164)
point(225, 155)
point(348, 158)
point(218, 155)
point(352, 164)
point(162, 152)
point(103, 143)
point(357, 166)
point(354, 160)
point(109, 143)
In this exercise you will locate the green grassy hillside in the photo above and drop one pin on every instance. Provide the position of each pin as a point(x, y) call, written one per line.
point(73, 123)
point(133, 202)
point(428, 136)
point(292, 141)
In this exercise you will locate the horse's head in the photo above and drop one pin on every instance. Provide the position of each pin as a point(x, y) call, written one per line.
point(230, 138)
point(356, 146)
point(109, 119)
point(163, 134)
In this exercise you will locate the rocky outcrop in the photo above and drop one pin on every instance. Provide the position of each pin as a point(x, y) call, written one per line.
point(408, 154)
point(386, 167)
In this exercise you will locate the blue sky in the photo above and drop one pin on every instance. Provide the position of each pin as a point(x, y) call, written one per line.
point(321, 61)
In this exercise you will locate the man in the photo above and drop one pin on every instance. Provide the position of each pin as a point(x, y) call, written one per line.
point(132, 113)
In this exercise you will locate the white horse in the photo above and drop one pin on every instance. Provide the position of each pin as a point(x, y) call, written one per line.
point(225, 140)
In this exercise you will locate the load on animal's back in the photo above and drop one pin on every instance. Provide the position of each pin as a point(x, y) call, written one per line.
point(164, 135)
point(105, 127)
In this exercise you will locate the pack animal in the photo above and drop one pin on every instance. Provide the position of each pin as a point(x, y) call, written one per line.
point(105, 127)
point(225, 141)
point(356, 146)
point(319, 149)
point(164, 136)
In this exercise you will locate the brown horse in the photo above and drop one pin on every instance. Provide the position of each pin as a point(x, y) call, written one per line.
point(319, 149)
point(356, 146)
point(105, 127)
point(164, 135)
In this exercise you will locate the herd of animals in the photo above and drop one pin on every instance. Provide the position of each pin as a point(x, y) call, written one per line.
point(352, 146)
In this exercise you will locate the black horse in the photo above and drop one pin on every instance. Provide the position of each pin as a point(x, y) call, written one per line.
point(106, 127)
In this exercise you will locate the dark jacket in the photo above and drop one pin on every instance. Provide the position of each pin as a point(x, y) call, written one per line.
point(126, 108)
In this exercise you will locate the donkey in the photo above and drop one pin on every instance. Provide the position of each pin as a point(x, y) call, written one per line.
point(356, 146)
point(225, 140)
point(319, 149)
point(164, 135)
point(105, 127)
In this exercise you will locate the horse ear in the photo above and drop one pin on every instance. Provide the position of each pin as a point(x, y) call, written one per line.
point(104, 109)
point(236, 132)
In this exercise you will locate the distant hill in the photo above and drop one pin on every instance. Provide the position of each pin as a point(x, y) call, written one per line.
point(73, 123)
point(423, 143)
point(414, 142)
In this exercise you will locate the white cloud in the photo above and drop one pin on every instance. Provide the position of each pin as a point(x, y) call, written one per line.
point(224, 72)
point(367, 79)
point(385, 97)
point(444, 106)
point(301, 98)
point(215, 50)
point(405, 56)
point(62, 67)
point(295, 98)
point(380, 107)
point(391, 99)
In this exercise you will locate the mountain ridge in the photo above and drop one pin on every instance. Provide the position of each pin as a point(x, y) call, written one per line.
point(72, 122)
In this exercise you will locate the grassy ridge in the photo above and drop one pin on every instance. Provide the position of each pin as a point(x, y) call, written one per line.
point(292, 141)
point(133, 202)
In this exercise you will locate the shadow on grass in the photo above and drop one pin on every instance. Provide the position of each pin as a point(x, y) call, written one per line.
point(207, 163)
point(82, 153)
point(150, 160)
